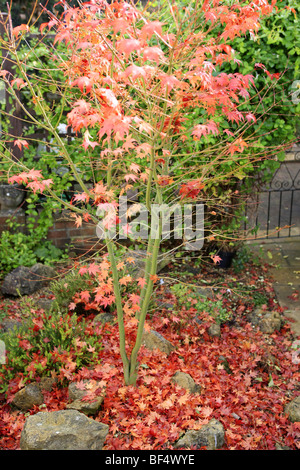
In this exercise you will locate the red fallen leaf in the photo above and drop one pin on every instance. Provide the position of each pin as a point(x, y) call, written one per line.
point(294, 296)
point(241, 309)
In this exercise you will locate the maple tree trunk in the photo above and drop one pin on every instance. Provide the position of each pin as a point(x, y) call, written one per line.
point(130, 365)
point(145, 303)
point(110, 249)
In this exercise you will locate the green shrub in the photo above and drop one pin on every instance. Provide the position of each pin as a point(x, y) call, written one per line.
point(47, 343)
point(189, 297)
point(19, 249)
point(66, 287)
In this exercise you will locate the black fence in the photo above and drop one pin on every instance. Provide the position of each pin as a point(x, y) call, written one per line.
point(275, 210)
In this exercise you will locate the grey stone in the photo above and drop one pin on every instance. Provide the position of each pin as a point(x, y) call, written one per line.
point(9, 324)
point(77, 391)
point(293, 410)
point(46, 383)
point(186, 381)
point(25, 281)
point(45, 304)
point(270, 322)
point(20, 281)
point(211, 435)
point(77, 394)
point(104, 317)
point(154, 340)
point(44, 273)
point(86, 407)
point(62, 430)
point(203, 292)
point(214, 330)
point(279, 447)
point(11, 196)
point(254, 317)
point(132, 195)
point(27, 397)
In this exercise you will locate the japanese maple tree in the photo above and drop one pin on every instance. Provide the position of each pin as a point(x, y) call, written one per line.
point(133, 77)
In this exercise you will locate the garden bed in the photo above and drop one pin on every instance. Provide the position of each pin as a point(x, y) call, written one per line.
point(245, 375)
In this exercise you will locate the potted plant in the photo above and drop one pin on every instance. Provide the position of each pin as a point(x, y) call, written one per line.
point(226, 252)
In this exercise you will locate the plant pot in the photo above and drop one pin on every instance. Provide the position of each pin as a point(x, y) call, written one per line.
point(11, 196)
point(226, 259)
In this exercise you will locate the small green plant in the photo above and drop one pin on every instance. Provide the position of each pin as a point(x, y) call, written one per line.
point(188, 297)
point(20, 249)
point(66, 287)
point(259, 299)
point(47, 343)
point(242, 257)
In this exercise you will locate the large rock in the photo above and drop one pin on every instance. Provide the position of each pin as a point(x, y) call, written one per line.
point(62, 430)
point(27, 397)
point(26, 281)
point(293, 410)
point(185, 380)
point(211, 436)
point(154, 340)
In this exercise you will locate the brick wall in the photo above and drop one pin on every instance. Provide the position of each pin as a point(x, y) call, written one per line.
point(63, 233)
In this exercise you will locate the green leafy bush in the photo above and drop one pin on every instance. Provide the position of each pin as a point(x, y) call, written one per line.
point(65, 288)
point(189, 297)
point(47, 343)
point(19, 249)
